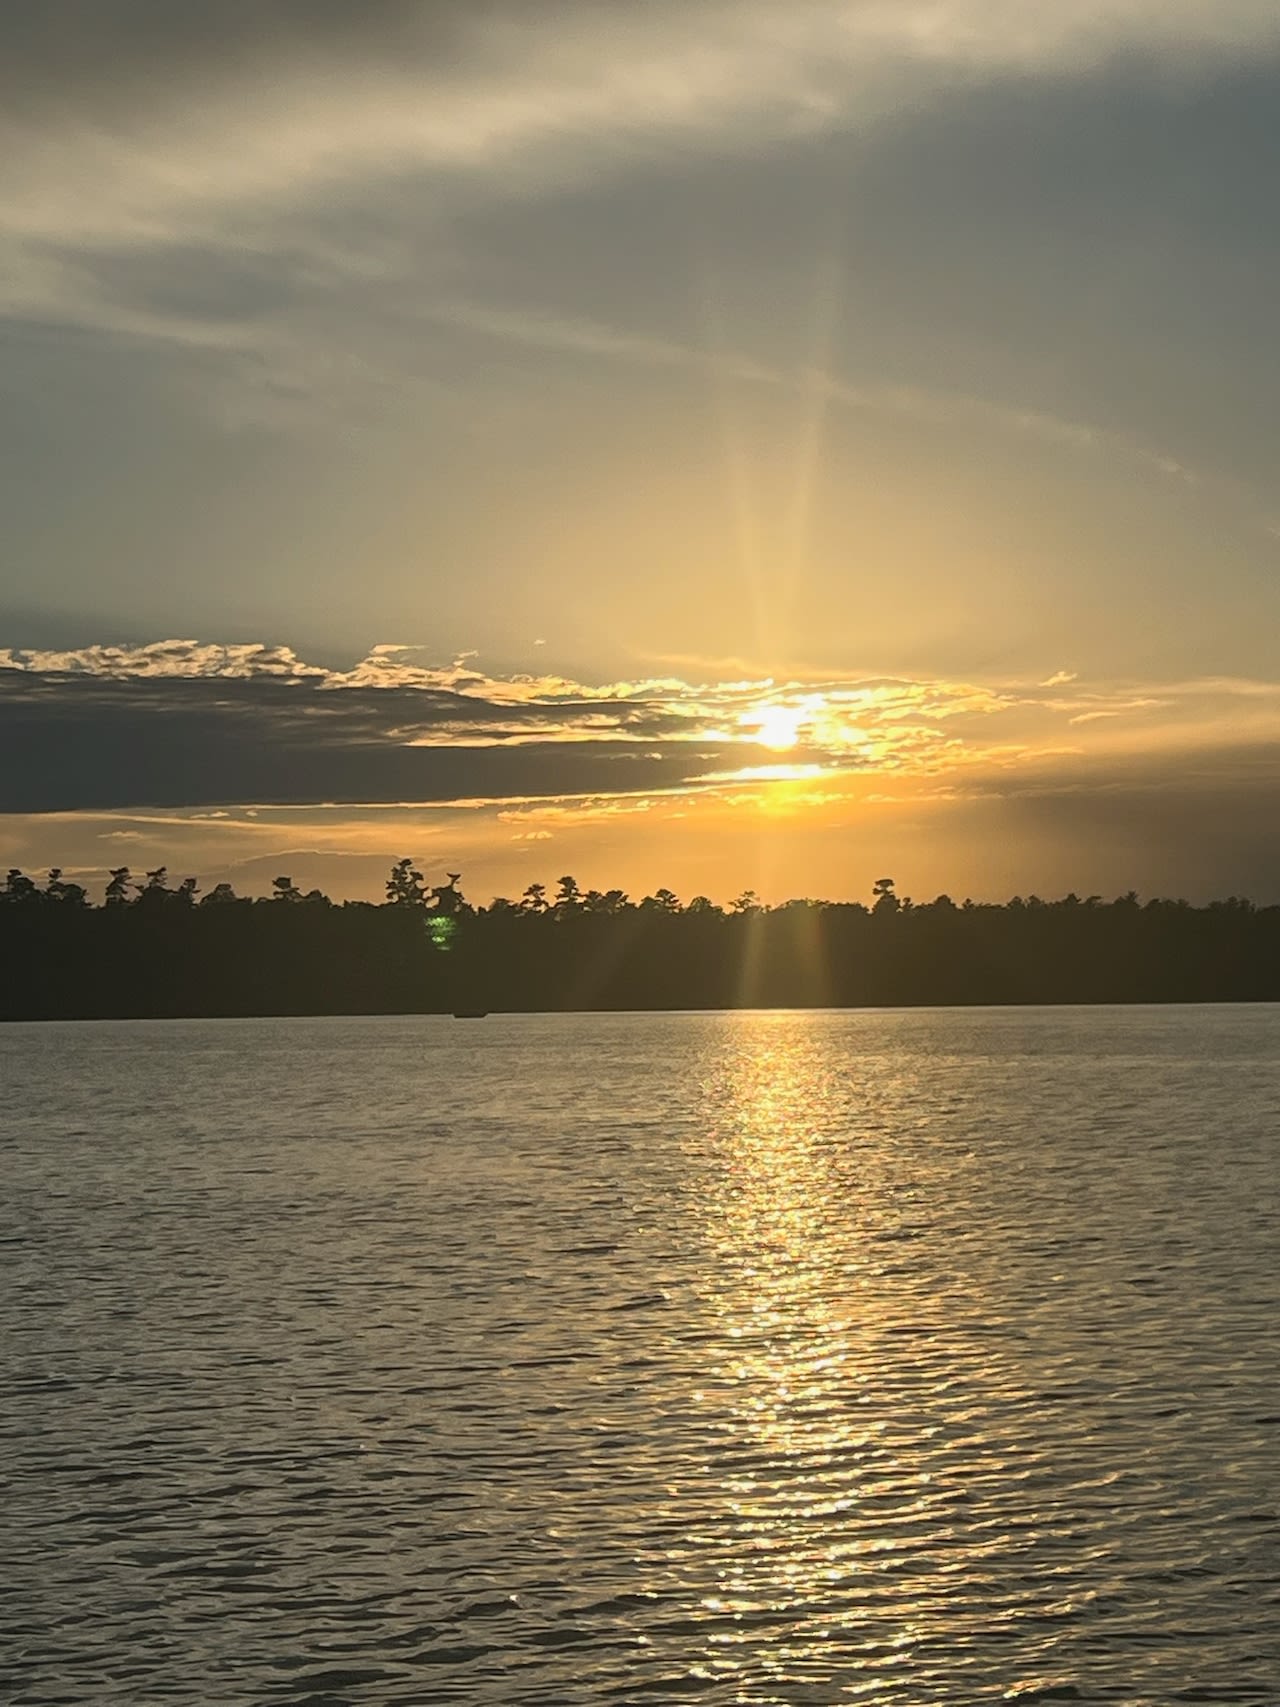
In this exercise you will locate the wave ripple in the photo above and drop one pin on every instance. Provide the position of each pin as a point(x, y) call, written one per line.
point(761, 1358)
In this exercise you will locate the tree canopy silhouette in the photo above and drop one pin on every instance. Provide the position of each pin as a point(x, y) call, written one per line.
point(158, 947)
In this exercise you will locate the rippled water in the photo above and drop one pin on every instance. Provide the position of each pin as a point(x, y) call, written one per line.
point(807, 1358)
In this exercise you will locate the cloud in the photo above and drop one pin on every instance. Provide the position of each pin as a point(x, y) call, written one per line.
point(913, 403)
point(325, 217)
point(199, 131)
point(167, 659)
point(184, 724)
point(187, 725)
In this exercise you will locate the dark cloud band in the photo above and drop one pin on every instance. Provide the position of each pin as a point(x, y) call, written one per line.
point(85, 743)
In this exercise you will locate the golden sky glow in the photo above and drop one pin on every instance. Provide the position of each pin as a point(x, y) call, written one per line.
point(800, 788)
point(779, 412)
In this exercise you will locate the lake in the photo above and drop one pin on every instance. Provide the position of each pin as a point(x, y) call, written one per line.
point(884, 1357)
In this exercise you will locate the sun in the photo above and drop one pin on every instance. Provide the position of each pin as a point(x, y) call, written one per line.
point(775, 726)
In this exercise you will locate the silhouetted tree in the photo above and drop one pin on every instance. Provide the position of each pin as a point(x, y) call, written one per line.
point(19, 889)
point(406, 886)
point(155, 891)
point(886, 900)
point(661, 901)
point(447, 899)
point(568, 895)
point(119, 883)
point(62, 893)
point(610, 903)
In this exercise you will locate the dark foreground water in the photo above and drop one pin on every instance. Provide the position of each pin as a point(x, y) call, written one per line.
point(914, 1358)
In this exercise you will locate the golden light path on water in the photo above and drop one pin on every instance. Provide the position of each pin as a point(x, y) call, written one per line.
point(791, 1310)
point(777, 1311)
point(838, 1392)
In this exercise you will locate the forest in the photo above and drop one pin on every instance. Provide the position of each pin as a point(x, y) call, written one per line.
point(155, 948)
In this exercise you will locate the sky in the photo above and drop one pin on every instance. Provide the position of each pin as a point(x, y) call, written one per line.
point(717, 444)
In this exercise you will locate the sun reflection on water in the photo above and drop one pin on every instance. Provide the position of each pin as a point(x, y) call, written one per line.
point(789, 1299)
point(850, 1385)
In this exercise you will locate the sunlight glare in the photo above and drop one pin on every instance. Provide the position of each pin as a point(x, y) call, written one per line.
point(776, 726)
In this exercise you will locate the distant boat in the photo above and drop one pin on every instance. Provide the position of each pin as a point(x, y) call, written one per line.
point(470, 1013)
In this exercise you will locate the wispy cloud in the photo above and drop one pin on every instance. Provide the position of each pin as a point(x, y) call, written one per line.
point(594, 340)
point(151, 131)
point(174, 116)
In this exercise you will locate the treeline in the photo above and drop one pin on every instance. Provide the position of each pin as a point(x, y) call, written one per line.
point(158, 948)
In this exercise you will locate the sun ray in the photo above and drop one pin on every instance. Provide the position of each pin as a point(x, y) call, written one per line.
point(815, 392)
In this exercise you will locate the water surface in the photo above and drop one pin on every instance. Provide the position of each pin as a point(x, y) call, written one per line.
point(921, 1357)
